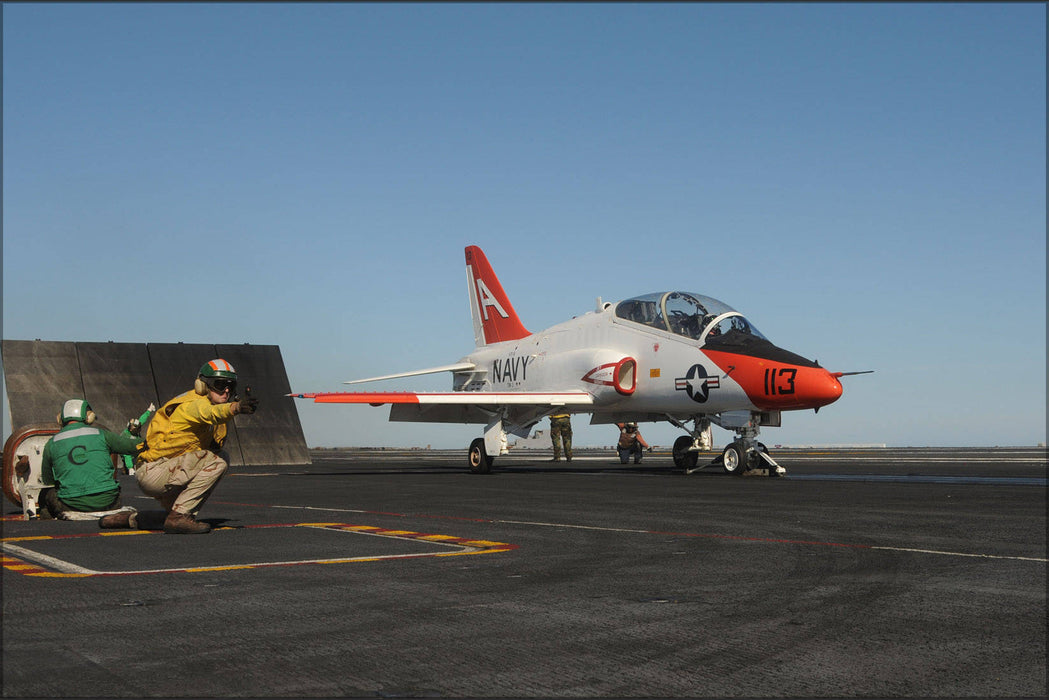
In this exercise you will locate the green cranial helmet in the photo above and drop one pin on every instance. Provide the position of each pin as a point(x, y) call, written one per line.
point(216, 375)
point(218, 369)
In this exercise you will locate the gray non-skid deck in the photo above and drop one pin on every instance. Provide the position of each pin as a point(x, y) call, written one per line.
point(379, 573)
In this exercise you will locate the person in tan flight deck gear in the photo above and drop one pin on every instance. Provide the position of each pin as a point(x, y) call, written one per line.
point(183, 460)
point(630, 443)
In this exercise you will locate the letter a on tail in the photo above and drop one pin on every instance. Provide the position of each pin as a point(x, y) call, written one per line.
point(495, 320)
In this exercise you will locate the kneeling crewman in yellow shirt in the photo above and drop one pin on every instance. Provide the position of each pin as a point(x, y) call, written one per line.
point(183, 459)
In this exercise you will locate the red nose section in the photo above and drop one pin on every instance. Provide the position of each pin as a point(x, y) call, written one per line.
point(779, 386)
point(822, 388)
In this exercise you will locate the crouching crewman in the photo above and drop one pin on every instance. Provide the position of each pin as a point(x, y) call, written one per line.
point(77, 460)
point(183, 459)
point(630, 443)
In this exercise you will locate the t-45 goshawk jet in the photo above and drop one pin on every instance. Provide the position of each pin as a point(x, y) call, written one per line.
point(667, 356)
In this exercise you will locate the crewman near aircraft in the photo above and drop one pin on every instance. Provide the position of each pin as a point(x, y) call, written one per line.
point(77, 460)
point(183, 459)
point(561, 432)
point(630, 443)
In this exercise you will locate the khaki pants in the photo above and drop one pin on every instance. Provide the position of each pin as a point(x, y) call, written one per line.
point(182, 483)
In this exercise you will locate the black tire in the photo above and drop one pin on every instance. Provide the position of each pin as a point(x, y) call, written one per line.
point(754, 460)
point(478, 459)
point(682, 456)
point(733, 459)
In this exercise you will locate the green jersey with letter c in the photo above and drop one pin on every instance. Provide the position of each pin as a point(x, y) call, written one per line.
point(77, 460)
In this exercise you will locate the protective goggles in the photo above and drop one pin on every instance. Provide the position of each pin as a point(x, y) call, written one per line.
point(220, 385)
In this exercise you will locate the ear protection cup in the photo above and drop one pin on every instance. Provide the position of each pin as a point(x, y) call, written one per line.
point(90, 417)
point(200, 387)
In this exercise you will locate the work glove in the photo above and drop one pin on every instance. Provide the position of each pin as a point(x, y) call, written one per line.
point(246, 405)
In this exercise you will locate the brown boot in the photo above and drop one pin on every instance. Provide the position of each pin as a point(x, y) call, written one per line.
point(123, 519)
point(184, 524)
point(149, 520)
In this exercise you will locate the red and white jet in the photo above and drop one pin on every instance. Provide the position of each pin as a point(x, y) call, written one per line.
point(667, 356)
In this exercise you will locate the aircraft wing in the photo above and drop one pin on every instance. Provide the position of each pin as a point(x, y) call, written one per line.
point(457, 367)
point(520, 407)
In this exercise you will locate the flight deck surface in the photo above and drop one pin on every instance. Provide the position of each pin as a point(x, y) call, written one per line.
point(880, 572)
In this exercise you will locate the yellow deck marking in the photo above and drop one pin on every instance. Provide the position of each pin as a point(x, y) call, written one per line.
point(48, 566)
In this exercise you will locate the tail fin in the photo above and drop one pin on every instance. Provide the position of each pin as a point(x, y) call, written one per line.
point(494, 317)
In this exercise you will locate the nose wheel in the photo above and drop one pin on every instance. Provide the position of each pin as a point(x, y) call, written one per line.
point(743, 455)
point(732, 459)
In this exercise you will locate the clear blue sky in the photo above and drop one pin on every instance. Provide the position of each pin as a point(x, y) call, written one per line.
point(866, 182)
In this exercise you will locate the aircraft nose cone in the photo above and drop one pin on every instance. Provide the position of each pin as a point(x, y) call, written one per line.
point(826, 389)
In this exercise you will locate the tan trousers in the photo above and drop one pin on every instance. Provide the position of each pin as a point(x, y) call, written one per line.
point(182, 483)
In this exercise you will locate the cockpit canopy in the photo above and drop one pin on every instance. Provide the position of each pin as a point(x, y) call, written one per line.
point(690, 315)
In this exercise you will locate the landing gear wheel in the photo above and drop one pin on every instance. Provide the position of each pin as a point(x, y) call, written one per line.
point(682, 456)
point(733, 459)
point(478, 460)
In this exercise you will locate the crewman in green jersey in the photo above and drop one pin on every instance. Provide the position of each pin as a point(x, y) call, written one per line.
point(77, 460)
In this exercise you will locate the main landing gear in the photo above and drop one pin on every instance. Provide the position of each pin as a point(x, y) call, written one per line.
point(687, 447)
point(483, 451)
point(478, 459)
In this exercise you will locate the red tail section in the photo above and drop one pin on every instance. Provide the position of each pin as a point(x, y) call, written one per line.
point(495, 320)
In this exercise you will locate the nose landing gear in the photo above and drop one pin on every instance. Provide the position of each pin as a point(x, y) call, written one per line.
point(745, 454)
